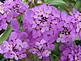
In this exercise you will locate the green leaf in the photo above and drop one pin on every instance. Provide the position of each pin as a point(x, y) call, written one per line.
point(78, 42)
point(34, 58)
point(70, 3)
point(1, 57)
point(5, 34)
point(60, 4)
point(78, 5)
point(26, 1)
point(30, 57)
point(20, 18)
point(55, 2)
point(55, 54)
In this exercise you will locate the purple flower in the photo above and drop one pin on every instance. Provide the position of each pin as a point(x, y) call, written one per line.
point(41, 24)
point(46, 59)
point(3, 24)
point(5, 47)
point(76, 16)
point(14, 6)
point(14, 24)
point(40, 47)
point(70, 52)
point(14, 47)
point(68, 29)
point(40, 19)
point(10, 10)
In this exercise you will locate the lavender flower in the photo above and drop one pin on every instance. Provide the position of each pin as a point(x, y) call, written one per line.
point(41, 48)
point(15, 7)
point(41, 19)
point(41, 25)
point(77, 15)
point(9, 10)
point(70, 52)
point(3, 24)
point(67, 32)
point(14, 24)
point(14, 47)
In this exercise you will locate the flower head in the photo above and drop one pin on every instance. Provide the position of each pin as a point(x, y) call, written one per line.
point(14, 47)
point(70, 52)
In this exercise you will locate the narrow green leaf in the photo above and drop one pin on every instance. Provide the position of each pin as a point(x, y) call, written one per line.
point(78, 4)
point(30, 57)
point(55, 2)
point(78, 42)
point(56, 51)
point(26, 1)
point(60, 4)
point(20, 18)
point(34, 58)
point(1, 57)
point(55, 54)
point(5, 34)
point(70, 3)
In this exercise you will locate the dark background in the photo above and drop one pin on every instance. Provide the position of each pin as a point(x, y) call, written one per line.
point(2, 0)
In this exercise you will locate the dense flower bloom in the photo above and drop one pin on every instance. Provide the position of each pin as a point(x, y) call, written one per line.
point(9, 10)
point(41, 24)
point(68, 29)
point(14, 24)
point(70, 52)
point(42, 18)
point(77, 16)
point(14, 8)
point(3, 24)
point(42, 48)
point(15, 47)
point(42, 21)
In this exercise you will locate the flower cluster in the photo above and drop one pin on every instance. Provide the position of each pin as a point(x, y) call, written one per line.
point(41, 23)
point(3, 24)
point(16, 46)
point(42, 26)
point(77, 17)
point(70, 53)
point(68, 28)
point(10, 10)
point(13, 8)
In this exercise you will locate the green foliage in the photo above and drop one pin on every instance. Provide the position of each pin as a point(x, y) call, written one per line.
point(55, 2)
point(26, 1)
point(60, 4)
point(56, 53)
point(5, 34)
point(66, 5)
point(78, 42)
point(20, 18)
point(1, 57)
point(78, 5)
point(34, 58)
point(30, 57)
